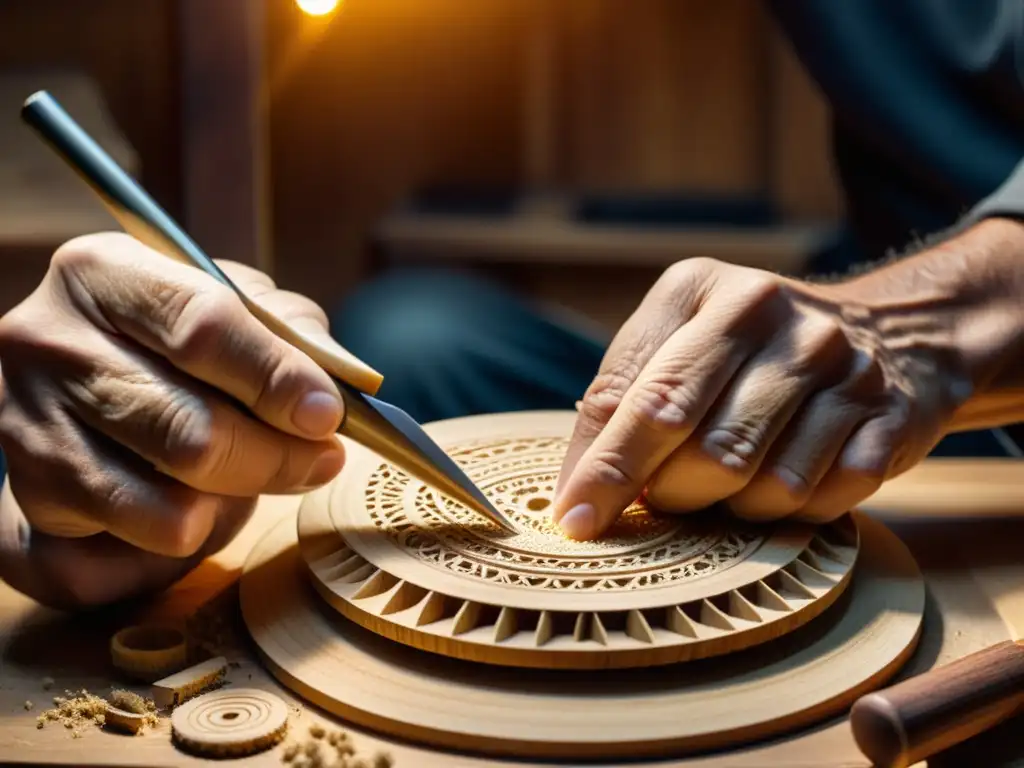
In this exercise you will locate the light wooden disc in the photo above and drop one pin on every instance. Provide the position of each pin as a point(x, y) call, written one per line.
point(230, 722)
point(808, 675)
point(402, 560)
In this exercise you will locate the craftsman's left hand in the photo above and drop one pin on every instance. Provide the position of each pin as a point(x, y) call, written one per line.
point(775, 396)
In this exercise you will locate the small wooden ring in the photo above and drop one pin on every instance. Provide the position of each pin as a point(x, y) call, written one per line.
point(149, 652)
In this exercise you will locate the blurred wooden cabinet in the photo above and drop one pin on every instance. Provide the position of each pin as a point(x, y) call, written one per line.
point(171, 88)
point(292, 143)
point(636, 120)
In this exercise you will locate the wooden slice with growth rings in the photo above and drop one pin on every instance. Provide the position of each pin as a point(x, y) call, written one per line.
point(230, 723)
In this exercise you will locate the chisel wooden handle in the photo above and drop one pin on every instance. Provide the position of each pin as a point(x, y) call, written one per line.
point(919, 717)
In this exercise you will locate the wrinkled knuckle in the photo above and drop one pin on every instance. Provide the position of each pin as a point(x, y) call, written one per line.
point(605, 394)
point(664, 403)
point(79, 253)
point(762, 290)
point(189, 437)
point(609, 469)
point(696, 267)
point(790, 484)
point(867, 375)
point(196, 321)
point(684, 272)
point(275, 380)
point(735, 446)
point(88, 252)
point(826, 338)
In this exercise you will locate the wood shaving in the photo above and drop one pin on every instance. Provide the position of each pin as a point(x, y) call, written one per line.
point(131, 702)
point(129, 722)
point(128, 711)
point(331, 749)
point(82, 710)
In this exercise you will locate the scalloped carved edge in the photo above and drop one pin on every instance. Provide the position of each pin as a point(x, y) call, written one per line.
point(723, 623)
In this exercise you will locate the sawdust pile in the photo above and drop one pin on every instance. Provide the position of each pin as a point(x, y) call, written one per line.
point(331, 749)
point(75, 711)
point(82, 710)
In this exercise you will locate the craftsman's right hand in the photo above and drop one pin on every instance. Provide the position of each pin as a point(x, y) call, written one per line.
point(143, 410)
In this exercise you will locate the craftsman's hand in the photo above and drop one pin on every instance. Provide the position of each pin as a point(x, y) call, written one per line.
point(142, 412)
point(775, 396)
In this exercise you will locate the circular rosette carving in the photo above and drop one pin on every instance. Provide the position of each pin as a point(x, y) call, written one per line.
point(401, 558)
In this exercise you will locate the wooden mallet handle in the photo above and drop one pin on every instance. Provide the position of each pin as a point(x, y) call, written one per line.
point(921, 716)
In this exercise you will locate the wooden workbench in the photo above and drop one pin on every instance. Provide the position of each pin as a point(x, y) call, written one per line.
point(964, 520)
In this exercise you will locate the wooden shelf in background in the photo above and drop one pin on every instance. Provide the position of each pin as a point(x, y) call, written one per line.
point(552, 237)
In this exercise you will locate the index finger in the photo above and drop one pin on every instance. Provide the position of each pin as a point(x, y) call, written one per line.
point(202, 328)
point(661, 409)
point(672, 301)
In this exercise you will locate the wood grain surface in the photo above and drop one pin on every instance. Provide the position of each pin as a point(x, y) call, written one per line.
point(798, 680)
point(955, 555)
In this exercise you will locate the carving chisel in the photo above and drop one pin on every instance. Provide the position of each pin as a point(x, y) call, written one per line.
point(383, 428)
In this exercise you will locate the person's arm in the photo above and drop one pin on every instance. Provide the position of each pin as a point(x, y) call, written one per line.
point(783, 397)
point(984, 260)
point(973, 285)
point(1006, 202)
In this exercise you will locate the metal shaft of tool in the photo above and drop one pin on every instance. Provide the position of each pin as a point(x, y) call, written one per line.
point(379, 426)
point(395, 436)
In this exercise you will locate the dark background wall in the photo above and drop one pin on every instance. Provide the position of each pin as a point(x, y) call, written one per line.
point(640, 97)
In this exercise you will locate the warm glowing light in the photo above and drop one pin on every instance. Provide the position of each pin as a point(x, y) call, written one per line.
point(317, 7)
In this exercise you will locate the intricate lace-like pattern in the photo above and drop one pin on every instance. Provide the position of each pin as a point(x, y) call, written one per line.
point(518, 475)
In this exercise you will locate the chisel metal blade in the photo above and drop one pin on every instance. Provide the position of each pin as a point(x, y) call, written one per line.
point(394, 435)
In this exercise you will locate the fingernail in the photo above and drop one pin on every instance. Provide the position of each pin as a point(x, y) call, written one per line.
point(579, 522)
point(325, 468)
point(317, 414)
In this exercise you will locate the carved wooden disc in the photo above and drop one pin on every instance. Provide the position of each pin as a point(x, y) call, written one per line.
point(410, 564)
point(810, 674)
point(230, 723)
